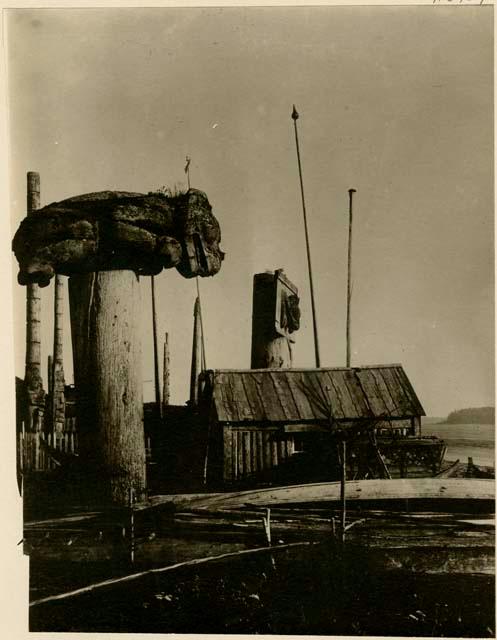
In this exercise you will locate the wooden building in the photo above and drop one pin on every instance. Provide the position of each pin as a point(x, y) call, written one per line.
point(272, 425)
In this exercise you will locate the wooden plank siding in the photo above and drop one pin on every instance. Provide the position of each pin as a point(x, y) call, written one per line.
point(257, 412)
point(251, 451)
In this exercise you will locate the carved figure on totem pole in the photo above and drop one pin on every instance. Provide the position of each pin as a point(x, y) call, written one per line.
point(275, 317)
point(114, 230)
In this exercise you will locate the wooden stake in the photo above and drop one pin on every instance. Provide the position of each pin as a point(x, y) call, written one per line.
point(343, 480)
point(131, 526)
point(165, 373)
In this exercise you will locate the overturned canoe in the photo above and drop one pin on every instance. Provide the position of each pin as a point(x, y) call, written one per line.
point(457, 490)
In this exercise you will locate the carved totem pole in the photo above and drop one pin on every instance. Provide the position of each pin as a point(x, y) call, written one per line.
point(104, 241)
point(275, 317)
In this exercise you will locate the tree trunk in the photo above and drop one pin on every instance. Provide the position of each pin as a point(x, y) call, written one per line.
point(105, 319)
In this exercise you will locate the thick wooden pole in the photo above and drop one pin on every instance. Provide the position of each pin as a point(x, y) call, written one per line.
point(105, 314)
point(269, 350)
point(32, 375)
point(349, 277)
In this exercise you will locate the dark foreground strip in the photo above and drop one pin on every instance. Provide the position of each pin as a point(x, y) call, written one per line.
point(187, 563)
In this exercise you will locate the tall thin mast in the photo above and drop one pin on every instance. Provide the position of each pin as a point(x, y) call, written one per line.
point(349, 276)
point(295, 117)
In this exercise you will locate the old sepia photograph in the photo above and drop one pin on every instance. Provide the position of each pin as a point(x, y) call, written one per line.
point(251, 254)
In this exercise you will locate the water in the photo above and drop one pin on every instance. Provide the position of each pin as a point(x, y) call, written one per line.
point(465, 440)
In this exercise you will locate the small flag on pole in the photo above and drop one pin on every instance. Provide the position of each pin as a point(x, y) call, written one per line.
point(187, 165)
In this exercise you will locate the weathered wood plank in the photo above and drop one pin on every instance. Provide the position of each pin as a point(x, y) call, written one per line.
point(253, 451)
point(296, 384)
point(271, 399)
point(409, 391)
point(396, 391)
point(240, 398)
point(284, 396)
point(349, 408)
point(274, 453)
point(251, 396)
point(227, 453)
point(239, 437)
point(374, 397)
point(357, 394)
point(382, 390)
point(335, 395)
point(232, 399)
point(266, 409)
point(313, 391)
point(247, 469)
point(267, 450)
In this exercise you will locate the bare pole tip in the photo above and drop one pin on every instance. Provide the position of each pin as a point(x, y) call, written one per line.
point(295, 114)
point(352, 190)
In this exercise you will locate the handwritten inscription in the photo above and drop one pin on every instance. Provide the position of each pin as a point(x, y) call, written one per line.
point(466, 2)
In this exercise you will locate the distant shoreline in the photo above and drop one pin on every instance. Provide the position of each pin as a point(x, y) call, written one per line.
point(468, 424)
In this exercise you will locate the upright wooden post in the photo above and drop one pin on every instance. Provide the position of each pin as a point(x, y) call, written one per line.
point(343, 480)
point(49, 375)
point(105, 312)
point(32, 377)
point(158, 403)
point(165, 373)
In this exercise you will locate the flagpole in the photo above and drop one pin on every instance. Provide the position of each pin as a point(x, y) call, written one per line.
point(349, 276)
point(295, 117)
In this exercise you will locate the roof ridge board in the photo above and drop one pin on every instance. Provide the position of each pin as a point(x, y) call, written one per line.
point(304, 369)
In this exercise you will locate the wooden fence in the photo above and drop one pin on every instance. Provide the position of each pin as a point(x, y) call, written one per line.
point(34, 454)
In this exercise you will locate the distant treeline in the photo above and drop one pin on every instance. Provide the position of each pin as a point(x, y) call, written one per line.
point(479, 415)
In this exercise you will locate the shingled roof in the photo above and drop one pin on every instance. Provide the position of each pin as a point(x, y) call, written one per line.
point(306, 395)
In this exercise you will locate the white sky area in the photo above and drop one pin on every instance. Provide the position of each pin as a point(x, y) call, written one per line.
point(396, 102)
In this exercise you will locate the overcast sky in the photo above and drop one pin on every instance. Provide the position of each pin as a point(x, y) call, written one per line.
point(396, 102)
